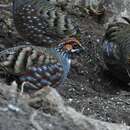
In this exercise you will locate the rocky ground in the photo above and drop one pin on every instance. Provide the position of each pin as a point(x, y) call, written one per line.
point(88, 88)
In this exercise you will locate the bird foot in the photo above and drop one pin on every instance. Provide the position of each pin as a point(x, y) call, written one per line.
point(93, 10)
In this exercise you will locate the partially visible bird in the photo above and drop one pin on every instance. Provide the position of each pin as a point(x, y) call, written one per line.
point(116, 49)
point(93, 7)
point(83, 7)
point(48, 24)
point(38, 66)
point(44, 22)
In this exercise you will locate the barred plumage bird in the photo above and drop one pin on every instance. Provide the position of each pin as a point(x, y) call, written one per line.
point(43, 23)
point(38, 66)
point(116, 49)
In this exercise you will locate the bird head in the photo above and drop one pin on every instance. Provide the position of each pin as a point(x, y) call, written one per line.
point(71, 45)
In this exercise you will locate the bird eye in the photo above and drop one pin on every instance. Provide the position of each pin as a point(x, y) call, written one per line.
point(41, 12)
point(75, 46)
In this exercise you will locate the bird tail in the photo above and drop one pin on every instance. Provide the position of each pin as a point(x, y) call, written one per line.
point(126, 19)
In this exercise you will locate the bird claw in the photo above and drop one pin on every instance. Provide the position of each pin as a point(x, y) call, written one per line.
point(95, 10)
point(92, 10)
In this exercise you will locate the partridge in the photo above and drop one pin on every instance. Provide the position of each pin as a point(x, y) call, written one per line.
point(38, 66)
point(44, 22)
point(116, 49)
point(54, 36)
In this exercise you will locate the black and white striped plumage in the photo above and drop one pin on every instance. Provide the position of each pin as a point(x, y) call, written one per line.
point(39, 66)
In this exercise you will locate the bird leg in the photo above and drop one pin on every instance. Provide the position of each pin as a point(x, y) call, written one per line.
point(24, 84)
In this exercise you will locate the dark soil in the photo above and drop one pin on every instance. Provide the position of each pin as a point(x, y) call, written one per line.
point(88, 88)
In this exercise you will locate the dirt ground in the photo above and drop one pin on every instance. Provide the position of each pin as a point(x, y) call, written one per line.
point(91, 90)
point(88, 88)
